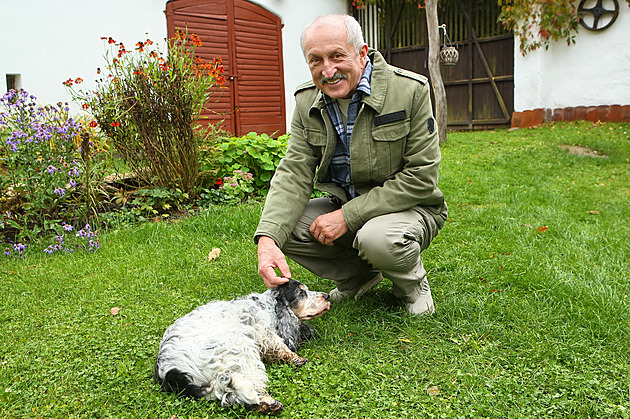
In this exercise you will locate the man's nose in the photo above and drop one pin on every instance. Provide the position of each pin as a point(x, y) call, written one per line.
point(330, 69)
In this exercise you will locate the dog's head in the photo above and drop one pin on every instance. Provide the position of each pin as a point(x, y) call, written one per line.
point(305, 304)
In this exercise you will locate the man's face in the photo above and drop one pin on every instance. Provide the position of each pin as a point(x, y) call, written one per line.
point(335, 66)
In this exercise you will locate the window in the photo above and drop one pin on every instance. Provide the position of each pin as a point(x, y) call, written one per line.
point(14, 81)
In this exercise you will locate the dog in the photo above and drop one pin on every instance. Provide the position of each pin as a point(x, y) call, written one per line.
point(216, 352)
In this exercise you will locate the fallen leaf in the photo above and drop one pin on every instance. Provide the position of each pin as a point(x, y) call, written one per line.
point(433, 391)
point(214, 253)
point(593, 212)
point(114, 311)
point(543, 229)
point(404, 340)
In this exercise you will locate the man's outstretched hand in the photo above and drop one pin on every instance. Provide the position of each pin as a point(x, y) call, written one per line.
point(271, 257)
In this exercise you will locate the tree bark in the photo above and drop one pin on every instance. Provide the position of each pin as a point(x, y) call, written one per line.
point(439, 93)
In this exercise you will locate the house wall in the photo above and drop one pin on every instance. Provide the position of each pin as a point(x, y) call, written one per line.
point(47, 42)
point(295, 20)
point(592, 72)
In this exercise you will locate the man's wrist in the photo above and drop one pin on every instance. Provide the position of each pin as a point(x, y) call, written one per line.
point(264, 239)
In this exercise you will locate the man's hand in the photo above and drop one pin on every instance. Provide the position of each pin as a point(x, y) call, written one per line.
point(271, 257)
point(329, 227)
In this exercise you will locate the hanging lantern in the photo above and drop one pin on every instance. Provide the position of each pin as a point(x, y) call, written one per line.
point(448, 53)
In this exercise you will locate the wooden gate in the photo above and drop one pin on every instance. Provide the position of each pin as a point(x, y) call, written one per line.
point(480, 87)
point(248, 38)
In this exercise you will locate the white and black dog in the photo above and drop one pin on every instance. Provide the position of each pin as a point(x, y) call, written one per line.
point(217, 351)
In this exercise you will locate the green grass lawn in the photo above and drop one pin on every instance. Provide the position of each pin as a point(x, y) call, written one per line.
point(530, 277)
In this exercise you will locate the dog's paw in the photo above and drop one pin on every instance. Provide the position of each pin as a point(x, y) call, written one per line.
point(299, 361)
point(269, 406)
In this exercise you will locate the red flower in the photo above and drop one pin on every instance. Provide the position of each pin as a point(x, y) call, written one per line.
point(85, 106)
point(195, 40)
point(93, 124)
point(68, 82)
point(219, 182)
point(115, 124)
point(79, 80)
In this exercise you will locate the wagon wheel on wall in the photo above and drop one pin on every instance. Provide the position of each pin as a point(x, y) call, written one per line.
point(597, 12)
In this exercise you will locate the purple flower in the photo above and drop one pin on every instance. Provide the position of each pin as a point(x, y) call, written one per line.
point(19, 247)
point(67, 227)
point(60, 191)
point(51, 169)
point(73, 183)
point(94, 245)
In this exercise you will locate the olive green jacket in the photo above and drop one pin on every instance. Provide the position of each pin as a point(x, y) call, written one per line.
point(394, 154)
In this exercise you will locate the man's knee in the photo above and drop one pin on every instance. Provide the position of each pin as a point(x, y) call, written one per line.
point(388, 247)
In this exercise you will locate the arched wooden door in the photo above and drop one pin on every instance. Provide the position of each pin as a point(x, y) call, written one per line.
point(248, 38)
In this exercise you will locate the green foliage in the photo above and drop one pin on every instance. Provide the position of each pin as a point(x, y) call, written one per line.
point(231, 190)
point(537, 23)
point(148, 105)
point(258, 154)
point(529, 323)
point(159, 201)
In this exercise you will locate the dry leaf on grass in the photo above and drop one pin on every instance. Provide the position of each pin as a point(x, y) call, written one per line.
point(433, 391)
point(214, 253)
point(114, 311)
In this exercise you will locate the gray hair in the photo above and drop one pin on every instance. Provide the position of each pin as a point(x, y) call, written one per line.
point(353, 28)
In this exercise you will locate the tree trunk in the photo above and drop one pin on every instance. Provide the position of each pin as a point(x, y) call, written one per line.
point(439, 93)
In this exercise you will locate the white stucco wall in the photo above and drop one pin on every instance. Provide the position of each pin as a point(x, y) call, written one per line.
point(593, 71)
point(46, 42)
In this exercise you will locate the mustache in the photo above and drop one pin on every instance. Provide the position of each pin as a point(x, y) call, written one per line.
point(337, 76)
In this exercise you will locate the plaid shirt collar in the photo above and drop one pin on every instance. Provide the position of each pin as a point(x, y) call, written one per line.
point(353, 109)
point(340, 164)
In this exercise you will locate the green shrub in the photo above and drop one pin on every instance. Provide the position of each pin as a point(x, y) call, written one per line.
point(258, 154)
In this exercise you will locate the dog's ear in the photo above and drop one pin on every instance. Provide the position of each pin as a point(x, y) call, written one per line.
point(287, 324)
point(307, 332)
point(289, 291)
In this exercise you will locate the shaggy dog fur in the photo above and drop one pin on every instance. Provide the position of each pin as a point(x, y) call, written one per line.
point(217, 351)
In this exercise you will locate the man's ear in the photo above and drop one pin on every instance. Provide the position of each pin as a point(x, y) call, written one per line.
point(363, 53)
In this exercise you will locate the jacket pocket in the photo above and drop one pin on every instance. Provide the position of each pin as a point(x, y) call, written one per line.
point(389, 146)
point(317, 140)
point(315, 137)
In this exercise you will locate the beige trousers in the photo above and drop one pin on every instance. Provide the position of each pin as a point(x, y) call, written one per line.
point(390, 243)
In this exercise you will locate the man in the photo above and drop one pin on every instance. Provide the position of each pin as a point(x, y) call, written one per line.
point(364, 132)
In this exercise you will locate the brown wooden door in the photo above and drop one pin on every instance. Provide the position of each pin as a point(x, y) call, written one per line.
point(248, 38)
